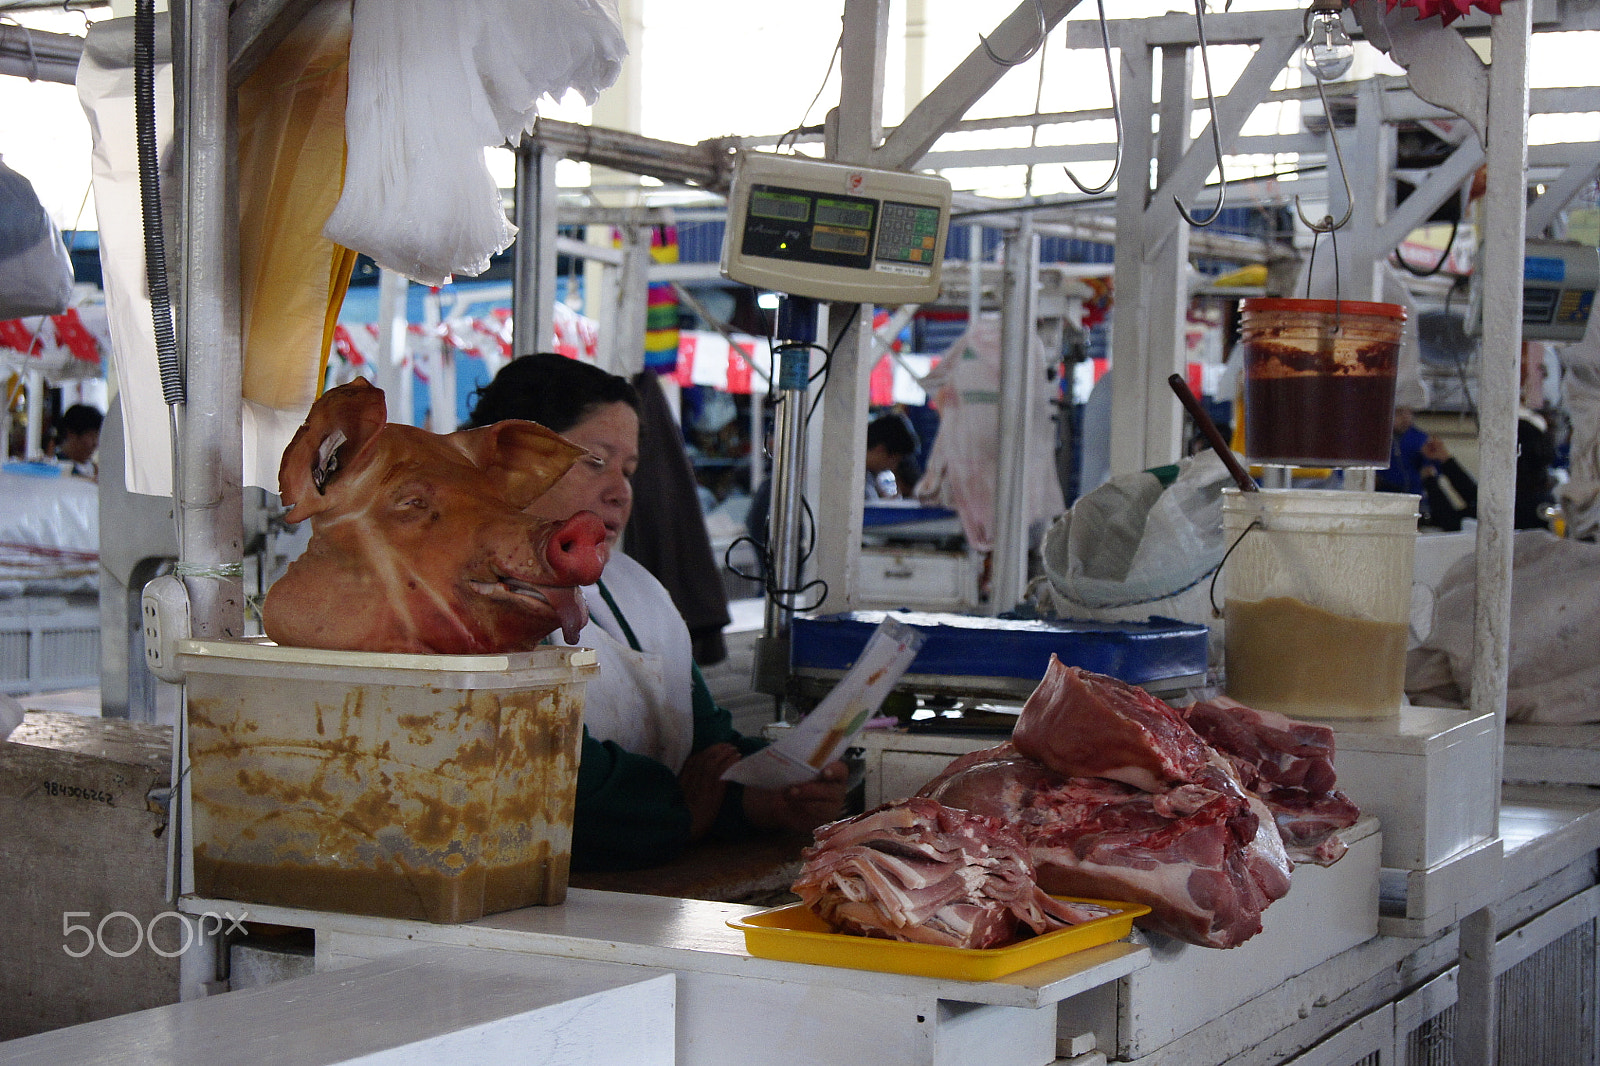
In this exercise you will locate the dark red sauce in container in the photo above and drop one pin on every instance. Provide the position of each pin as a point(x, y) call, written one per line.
point(1319, 381)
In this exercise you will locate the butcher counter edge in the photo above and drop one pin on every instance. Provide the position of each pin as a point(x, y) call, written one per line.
point(692, 935)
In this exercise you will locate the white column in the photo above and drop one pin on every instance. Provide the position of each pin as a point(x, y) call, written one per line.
point(1019, 385)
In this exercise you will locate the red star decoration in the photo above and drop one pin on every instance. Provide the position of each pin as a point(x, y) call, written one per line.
point(1447, 10)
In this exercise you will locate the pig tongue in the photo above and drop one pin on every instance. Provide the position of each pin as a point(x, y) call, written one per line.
point(572, 611)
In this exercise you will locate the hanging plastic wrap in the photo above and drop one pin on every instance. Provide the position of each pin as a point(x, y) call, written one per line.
point(433, 83)
point(291, 162)
point(963, 467)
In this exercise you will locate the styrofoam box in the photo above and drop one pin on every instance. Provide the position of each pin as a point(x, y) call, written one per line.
point(1186, 986)
point(909, 577)
point(438, 787)
point(1427, 775)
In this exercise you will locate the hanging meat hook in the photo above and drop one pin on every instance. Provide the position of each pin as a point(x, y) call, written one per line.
point(1033, 49)
point(1216, 135)
point(1116, 112)
point(1328, 225)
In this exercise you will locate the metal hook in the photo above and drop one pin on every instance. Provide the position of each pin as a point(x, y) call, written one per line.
point(1216, 135)
point(1328, 225)
point(1033, 49)
point(1116, 112)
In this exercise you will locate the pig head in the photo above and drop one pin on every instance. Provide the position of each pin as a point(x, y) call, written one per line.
point(419, 542)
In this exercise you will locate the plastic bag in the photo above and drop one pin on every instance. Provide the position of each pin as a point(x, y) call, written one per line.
point(291, 161)
point(1553, 663)
point(1136, 544)
point(433, 83)
point(35, 270)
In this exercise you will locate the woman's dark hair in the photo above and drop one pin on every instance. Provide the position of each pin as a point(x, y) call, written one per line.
point(552, 390)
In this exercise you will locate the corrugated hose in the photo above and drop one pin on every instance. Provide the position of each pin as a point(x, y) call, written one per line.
point(155, 245)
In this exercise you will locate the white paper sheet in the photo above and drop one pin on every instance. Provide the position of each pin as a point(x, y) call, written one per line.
point(823, 735)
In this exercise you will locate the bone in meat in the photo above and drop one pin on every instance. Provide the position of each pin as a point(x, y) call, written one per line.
point(918, 871)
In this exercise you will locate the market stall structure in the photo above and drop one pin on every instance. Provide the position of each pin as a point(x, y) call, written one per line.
point(1457, 916)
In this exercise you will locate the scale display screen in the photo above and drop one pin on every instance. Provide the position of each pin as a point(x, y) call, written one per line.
point(829, 231)
point(804, 227)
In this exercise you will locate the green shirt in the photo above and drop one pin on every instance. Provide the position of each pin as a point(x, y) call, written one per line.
point(630, 812)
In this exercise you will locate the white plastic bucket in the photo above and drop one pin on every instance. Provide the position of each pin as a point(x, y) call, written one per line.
point(1318, 600)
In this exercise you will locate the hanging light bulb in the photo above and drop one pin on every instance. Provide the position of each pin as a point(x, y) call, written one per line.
point(1329, 51)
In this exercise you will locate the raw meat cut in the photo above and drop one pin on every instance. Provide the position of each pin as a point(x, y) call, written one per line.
point(1289, 764)
point(1084, 724)
point(419, 542)
point(1204, 855)
point(923, 872)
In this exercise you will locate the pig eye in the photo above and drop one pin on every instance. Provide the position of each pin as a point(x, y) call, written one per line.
point(413, 498)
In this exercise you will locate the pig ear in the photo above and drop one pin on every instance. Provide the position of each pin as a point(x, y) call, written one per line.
point(525, 456)
point(337, 430)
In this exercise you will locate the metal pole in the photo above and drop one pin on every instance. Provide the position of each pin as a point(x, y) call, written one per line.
point(210, 454)
point(1130, 330)
point(797, 331)
point(855, 128)
point(33, 443)
point(625, 353)
point(1505, 230)
point(533, 293)
point(393, 372)
point(1018, 374)
point(974, 274)
point(441, 369)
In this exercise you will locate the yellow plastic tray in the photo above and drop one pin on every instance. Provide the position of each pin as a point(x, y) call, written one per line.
point(795, 934)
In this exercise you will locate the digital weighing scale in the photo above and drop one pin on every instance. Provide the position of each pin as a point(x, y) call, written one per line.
point(828, 231)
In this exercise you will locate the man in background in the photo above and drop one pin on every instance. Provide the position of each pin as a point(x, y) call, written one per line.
point(78, 438)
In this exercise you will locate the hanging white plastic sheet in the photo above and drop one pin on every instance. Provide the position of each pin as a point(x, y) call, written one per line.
point(105, 89)
point(432, 84)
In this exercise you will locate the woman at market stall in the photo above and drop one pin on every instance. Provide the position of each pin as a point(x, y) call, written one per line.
point(655, 742)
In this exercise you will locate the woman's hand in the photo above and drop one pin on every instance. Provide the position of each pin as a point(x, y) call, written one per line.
point(1434, 451)
point(799, 808)
point(703, 787)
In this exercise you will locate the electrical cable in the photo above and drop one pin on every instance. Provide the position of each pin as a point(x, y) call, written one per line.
point(155, 250)
point(838, 49)
point(764, 556)
point(1444, 256)
point(827, 359)
point(1460, 360)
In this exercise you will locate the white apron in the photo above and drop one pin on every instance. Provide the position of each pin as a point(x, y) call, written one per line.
point(640, 700)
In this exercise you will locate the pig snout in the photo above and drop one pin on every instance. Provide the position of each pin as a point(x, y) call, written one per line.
point(576, 550)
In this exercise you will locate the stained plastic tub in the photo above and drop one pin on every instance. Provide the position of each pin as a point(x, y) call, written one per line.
point(432, 787)
point(1319, 381)
point(1318, 600)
